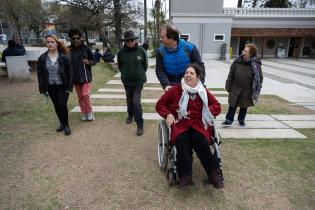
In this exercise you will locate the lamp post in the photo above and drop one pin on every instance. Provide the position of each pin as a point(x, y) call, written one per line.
point(140, 34)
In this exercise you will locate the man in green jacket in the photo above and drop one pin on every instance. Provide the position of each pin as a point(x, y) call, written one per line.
point(133, 64)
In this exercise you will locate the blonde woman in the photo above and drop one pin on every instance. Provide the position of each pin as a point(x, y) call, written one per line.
point(55, 78)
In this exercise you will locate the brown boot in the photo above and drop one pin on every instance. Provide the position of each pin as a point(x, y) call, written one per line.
point(185, 181)
point(216, 179)
point(139, 131)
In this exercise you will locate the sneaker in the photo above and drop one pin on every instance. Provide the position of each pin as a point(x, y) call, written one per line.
point(226, 124)
point(90, 116)
point(139, 131)
point(83, 117)
point(129, 119)
point(242, 123)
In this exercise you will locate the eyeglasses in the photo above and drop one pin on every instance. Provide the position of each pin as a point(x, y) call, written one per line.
point(75, 38)
point(130, 40)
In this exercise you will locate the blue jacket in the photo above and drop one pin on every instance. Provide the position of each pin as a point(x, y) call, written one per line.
point(171, 64)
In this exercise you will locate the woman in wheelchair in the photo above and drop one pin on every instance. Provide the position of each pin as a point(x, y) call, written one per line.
point(189, 111)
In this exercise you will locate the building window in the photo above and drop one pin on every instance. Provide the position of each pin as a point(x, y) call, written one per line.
point(219, 37)
point(185, 36)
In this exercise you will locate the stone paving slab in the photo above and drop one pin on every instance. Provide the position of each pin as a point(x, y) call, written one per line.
point(121, 90)
point(293, 117)
point(249, 117)
point(221, 117)
point(222, 100)
point(300, 124)
point(111, 90)
point(114, 82)
point(256, 124)
point(103, 109)
point(152, 116)
point(118, 82)
point(111, 96)
point(153, 88)
point(259, 133)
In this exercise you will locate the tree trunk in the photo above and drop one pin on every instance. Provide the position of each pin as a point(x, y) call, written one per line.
point(86, 37)
point(18, 28)
point(145, 20)
point(117, 16)
point(239, 3)
point(254, 4)
point(157, 10)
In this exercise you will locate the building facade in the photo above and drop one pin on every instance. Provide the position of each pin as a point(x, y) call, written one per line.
point(217, 30)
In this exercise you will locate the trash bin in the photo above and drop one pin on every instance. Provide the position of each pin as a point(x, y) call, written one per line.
point(223, 51)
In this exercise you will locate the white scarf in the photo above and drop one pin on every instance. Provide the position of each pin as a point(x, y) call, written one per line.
point(207, 117)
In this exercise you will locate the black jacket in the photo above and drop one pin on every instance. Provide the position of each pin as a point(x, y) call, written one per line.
point(11, 52)
point(65, 71)
point(81, 73)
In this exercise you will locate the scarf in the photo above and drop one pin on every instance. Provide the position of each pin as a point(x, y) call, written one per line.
point(207, 117)
point(255, 66)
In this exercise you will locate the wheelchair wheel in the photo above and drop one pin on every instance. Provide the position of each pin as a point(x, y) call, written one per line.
point(171, 177)
point(163, 145)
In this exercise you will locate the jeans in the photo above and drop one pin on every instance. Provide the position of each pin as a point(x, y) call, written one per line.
point(59, 97)
point(134, 108)
point(231, 112)
point(187, 141)
point(83, 92)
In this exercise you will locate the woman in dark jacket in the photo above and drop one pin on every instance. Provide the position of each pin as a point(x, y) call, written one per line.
point(189, 110)
point(55, 78)
point(244, 83)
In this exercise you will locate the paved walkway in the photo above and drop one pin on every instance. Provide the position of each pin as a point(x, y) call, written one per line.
point(293, 80)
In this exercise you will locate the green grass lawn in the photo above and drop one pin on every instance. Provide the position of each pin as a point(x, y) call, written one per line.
point(291, 162)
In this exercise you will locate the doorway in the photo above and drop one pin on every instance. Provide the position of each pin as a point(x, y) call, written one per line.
point(243, 42)
point(294, 47)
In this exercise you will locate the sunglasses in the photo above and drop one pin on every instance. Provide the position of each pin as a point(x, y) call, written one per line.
point(130, 40)
point(75, 38)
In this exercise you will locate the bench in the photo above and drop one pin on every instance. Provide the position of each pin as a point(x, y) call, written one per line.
point(18, 69)
point(32, 57)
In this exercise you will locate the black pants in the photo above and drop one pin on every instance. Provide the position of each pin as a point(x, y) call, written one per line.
point(134, 108)
point(187, 141)
point(231, 112)
point(59, 97)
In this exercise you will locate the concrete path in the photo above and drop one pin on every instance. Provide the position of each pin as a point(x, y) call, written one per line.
point(288, 79)
point(293, 80)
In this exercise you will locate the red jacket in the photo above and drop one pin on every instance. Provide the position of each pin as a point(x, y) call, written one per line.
point(168, 104)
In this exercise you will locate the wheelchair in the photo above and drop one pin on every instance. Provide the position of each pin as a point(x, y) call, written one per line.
point(167, 152)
